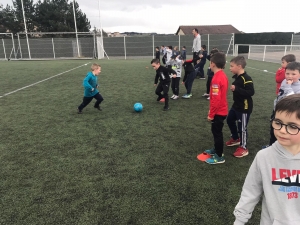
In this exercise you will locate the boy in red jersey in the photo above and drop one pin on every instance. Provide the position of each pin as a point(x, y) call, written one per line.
point(218, 108)
point(280, 74)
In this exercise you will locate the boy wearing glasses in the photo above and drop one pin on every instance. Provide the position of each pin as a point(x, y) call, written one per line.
point(275, 172)
point(290, 85)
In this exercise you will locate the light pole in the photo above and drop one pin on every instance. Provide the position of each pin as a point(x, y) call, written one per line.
point(26, 29)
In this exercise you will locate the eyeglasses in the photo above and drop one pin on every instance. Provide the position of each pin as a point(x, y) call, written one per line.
point(290, 128)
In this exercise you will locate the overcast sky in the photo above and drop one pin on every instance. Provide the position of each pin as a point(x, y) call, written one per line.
point(165, 16)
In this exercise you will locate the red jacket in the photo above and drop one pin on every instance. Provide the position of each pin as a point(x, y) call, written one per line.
point(280, 76)
point(218, 95)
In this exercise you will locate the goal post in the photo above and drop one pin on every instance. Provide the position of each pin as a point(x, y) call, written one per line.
point(7, 46)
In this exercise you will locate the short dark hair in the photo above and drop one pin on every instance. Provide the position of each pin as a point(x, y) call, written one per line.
point(196, 30)
point(183, 47)
point(219, 59)
point(170, 47)
point(214, 51)
point(157, 47)
point(156, 61)
point(240, 61)
point(289, 58)
point(289, 104)
point(203, 46)
point(293, 66)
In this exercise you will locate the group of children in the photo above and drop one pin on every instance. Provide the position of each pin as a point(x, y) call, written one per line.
point(275, 171)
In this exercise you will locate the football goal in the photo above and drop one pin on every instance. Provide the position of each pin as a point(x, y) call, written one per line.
point(56, 45)
point(7, 46)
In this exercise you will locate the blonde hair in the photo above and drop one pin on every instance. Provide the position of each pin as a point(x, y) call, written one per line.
point(95, 66)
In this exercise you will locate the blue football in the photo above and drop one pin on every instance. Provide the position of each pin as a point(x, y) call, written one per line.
point(138, 107)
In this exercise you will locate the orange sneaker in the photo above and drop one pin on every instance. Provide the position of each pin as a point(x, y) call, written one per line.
point(233, 142)
point(240, 152)
point(162, 100)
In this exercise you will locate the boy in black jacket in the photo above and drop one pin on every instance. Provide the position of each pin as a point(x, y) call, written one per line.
point(210, 74)
point(189, 77)
point(243, 90)
point(163, 74)
point(200, 66)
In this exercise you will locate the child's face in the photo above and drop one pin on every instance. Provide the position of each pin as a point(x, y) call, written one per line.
point(283, 63)
point(97, 71)
point(283, 137)
point(155, 65)
point(293, 75)
point(234, 68)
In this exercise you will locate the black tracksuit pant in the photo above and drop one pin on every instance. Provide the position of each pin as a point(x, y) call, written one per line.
point(87, 100)
point(163, 87)
point(216, 128)
point(175, 85)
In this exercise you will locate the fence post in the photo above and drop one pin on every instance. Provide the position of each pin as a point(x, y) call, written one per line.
point(153, 46)
point(4, 48)
point(233, 53)
point(285, 50)
point(249, 52)
point(53, 48)
point(292, 42)
point(20, 46)
point(208, 50)
point(264, 53)
point(124, 47)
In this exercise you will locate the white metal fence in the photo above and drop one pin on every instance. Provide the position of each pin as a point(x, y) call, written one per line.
point(267, 53)
point(57, 46)
point(144, 46)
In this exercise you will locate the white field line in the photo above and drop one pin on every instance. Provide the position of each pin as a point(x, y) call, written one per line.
point(43, 80)
point(259, 70)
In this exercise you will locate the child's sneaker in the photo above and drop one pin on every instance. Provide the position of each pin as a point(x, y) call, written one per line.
point(162, 100)
point(215, 159)
point(208, 98)
point(176, 97)
point(98, 108)
point(205, 95)
point(173, 96)
point(186, 96)
point(210, 151)
point(79, 111)
point(240, 152)
point(233, 142)
point(166, 108)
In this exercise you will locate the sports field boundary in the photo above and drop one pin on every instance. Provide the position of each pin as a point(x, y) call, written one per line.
point(59, 74)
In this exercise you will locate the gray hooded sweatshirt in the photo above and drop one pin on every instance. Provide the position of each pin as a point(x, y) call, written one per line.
point(274, 175)
point(286, 90)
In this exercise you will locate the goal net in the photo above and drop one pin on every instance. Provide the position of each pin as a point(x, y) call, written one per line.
point(54, 45)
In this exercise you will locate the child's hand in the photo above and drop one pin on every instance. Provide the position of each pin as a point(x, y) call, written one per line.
point(174, 76)
point(232, 88)
point(155, 84)
point(201, 56)
point(209, 118)
point(182, 82)
point(289, 81)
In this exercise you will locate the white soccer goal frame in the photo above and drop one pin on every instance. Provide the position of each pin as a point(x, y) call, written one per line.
point(77, 47)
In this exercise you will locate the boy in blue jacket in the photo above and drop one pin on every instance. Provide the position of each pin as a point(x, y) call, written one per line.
point(90, 84)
